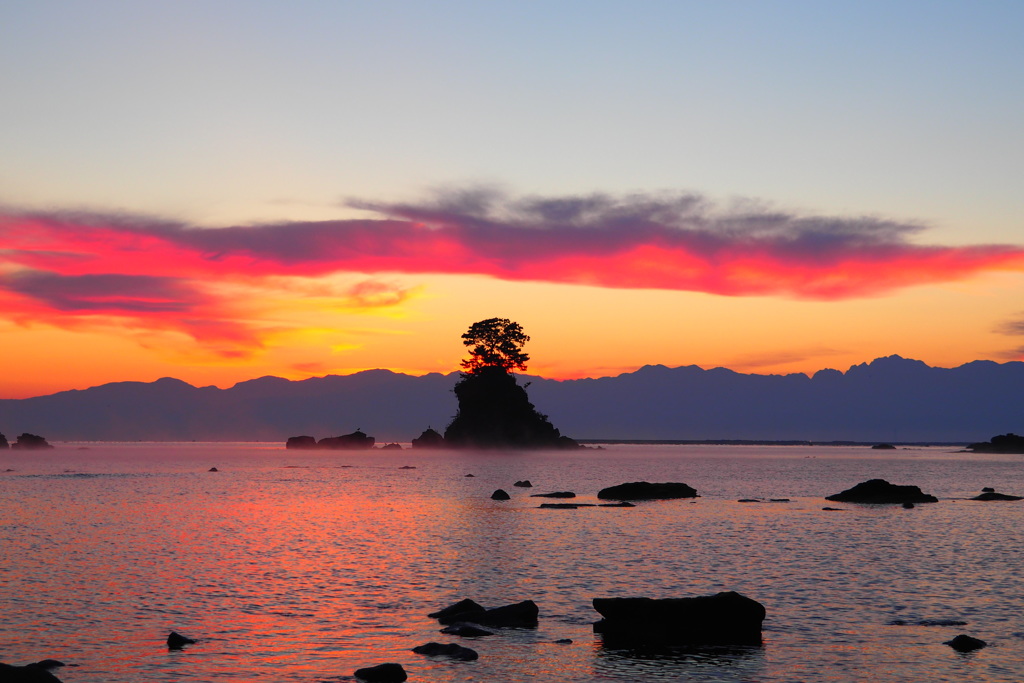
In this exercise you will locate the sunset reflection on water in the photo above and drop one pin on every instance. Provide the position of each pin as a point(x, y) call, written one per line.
point(305, 567)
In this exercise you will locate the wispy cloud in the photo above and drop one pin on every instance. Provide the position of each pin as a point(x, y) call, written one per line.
point(75, 263)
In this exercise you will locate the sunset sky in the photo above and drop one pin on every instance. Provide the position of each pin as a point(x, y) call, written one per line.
point(217, 191)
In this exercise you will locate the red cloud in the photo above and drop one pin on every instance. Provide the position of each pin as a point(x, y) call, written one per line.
point(144, 267)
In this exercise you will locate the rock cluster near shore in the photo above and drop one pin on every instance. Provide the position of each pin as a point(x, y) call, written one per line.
point(357, 440)
point(1004, 443)
point(26, 441)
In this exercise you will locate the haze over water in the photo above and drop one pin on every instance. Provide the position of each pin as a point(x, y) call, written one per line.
point(303, 566)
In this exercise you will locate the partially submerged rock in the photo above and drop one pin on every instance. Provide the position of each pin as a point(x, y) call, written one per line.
point(992, 495)
point(723, 618)
point(879, 491)
point(643, 490)
point(176, 641)
point(500, 494)
point(357, 440)
point(300, 442)
point(964, 643)
point(554, 494)
point(451, 650)
point(521, 614)
point(466, 630)
point(382, 673)
point(430, 438)
point(31, 442)
point(31, 673)
point(523, 483)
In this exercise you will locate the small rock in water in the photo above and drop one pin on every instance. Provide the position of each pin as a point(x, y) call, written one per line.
point(748, 500)
point(881, 492)
point(382, 673)
point(778, 500)
point(524, 483)
point(989, 494)
point(563, 641)
point(213, 469)
point(469, 475)
point(452, 650)
point(908, 506)
point(555, 494)
point(963, 643)
point(500, 494)
point(466, 630)
point(176, 641)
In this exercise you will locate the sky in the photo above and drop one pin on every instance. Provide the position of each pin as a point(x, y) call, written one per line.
point(222, 190)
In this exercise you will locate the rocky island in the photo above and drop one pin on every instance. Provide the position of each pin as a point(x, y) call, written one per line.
point(494, 410)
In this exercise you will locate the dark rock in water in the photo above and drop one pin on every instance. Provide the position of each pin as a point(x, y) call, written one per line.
point(525, 483)
point(778, 500)
point(828, 509)
point(723, 618)
point(992, 495)
point(49, 664)
point(466, 630)
point(176, 641)
point(469, 475)
point(563, 641)
point(879, 491)
point(988, 489)
point(643, 490)
point(3, 442)
point(500, 494)
point(31, 442)
point(407, 467)
point(10, 673)
point(300, 442)
point(883, 447)
point(393, 447)
point(521, 614)
point(357, 440)
point(620, 504)
point(748, 500)
point(1004, 443)
point(495, 412)
point(429, 439)
point(963, 643)
point(452, 650)
point(460, 607)
point(213, 469)
point(554, 494)
point(908, 506)
point(382, 673)
point(518, 615)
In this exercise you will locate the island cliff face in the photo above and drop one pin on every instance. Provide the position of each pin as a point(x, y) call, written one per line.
point(495, 412)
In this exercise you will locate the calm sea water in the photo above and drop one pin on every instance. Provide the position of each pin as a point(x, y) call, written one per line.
point(304, 566)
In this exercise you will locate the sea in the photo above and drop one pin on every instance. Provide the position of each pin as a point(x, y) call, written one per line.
point(289, 565)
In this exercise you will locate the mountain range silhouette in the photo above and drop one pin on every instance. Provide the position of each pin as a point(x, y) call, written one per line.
point(890, 399)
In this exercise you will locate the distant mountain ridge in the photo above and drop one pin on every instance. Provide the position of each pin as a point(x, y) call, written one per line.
point(889, 399)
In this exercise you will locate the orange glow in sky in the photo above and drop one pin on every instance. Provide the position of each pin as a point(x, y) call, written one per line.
point(610, 287)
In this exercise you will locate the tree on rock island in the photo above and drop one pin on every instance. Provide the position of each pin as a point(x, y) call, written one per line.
point(495, 343)
point(494, 411)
